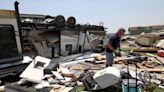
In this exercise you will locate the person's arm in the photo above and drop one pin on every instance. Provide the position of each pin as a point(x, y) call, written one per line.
point(111, 47)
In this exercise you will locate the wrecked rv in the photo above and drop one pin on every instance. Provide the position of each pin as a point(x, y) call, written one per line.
point(46, 34)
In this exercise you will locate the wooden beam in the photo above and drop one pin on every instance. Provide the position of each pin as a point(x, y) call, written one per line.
point(152, 70)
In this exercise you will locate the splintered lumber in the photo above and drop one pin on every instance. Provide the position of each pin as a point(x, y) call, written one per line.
point(72, 76)
point(153, 59)
point(150, 65)
point(152, 70)
point(41, 48)
point(157, 57)
point(145, 49)
point(78, 67)
point(140, 66)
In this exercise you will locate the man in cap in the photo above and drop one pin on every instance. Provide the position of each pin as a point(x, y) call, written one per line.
point(113, 46)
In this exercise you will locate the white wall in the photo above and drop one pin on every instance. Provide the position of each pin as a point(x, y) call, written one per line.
point(74, 41)
point(68, 40)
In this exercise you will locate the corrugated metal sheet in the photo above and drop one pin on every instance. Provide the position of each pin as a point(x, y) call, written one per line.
point(7, 14)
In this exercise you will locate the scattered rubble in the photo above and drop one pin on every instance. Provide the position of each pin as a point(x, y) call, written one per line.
point(64, 76)
point(54, 38)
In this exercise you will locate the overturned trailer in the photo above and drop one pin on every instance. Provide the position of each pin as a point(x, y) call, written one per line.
point(55, 36)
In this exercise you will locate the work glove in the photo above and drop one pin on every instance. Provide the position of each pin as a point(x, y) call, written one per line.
point(118, 52)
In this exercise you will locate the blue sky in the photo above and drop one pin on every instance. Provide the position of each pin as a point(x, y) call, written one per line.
point(113, 13)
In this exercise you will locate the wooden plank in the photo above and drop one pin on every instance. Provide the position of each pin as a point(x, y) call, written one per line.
point(152, 70)
point(39, 48)
point(42, 48)
point(145, 50)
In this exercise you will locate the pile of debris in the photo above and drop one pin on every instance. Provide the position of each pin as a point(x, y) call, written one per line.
point(145, 42)
point(88, 70)
point(46, 74)
point(128, 42)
